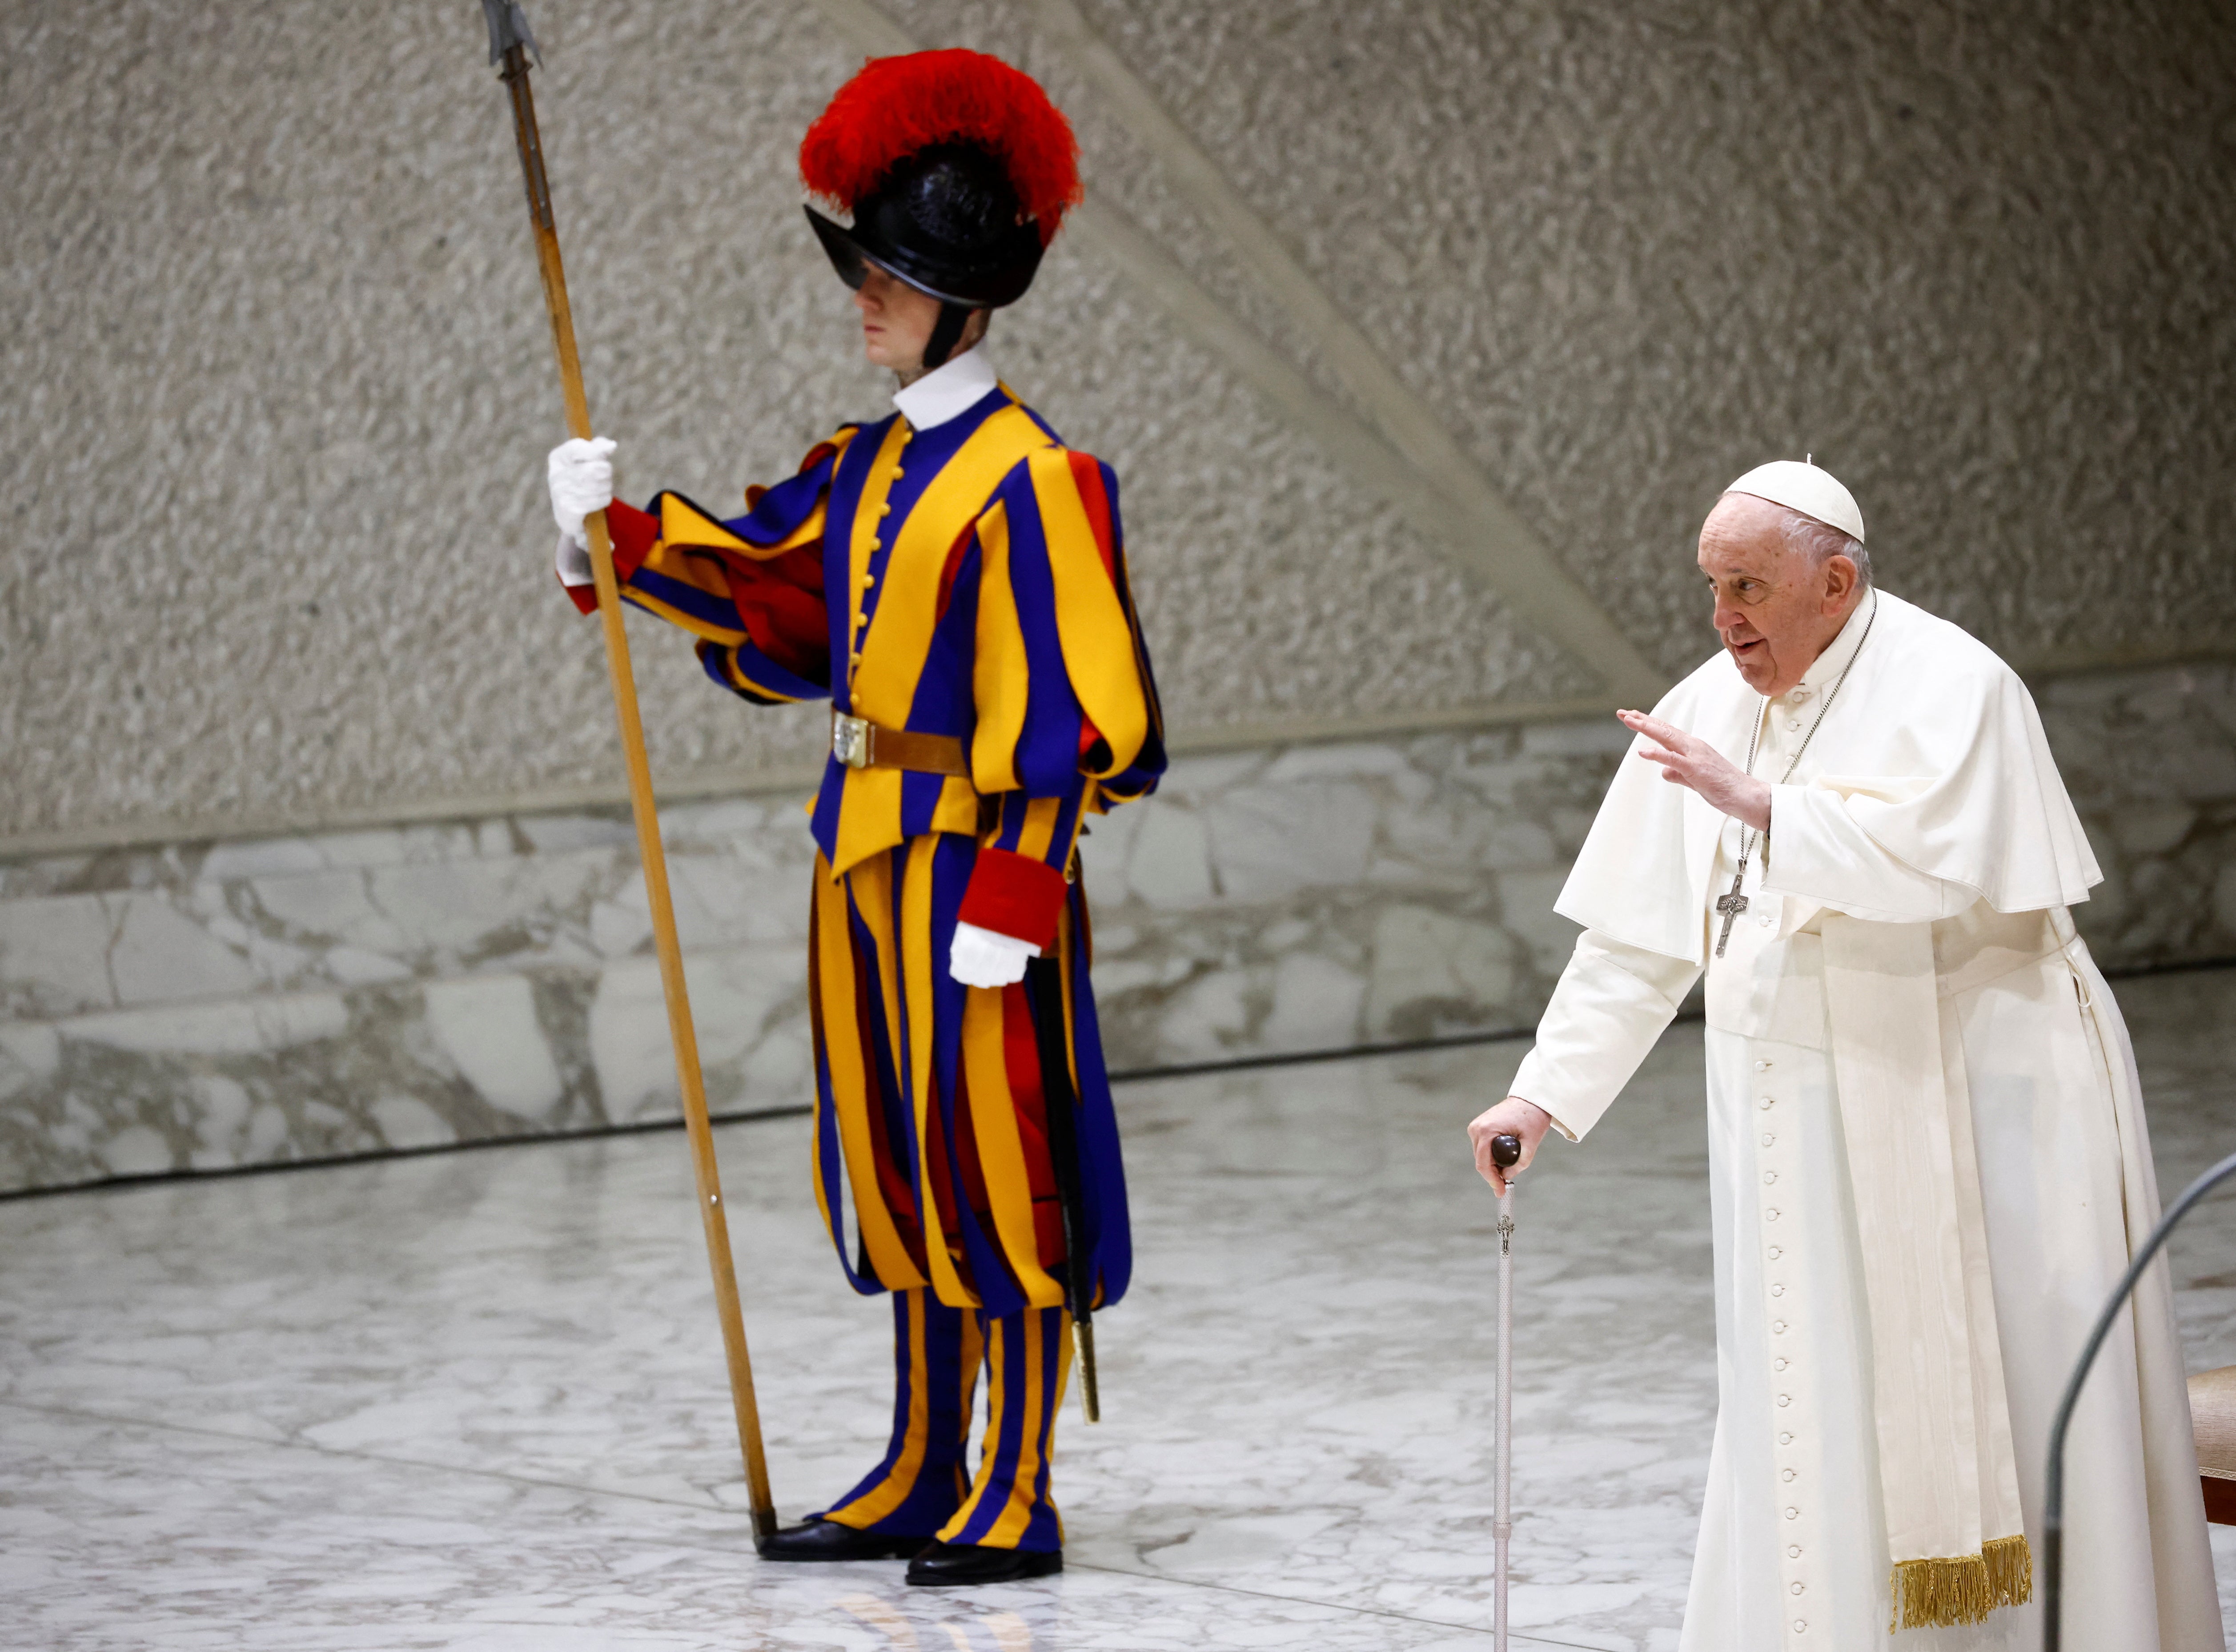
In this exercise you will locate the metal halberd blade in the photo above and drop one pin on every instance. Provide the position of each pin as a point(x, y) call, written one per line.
point(508, 26)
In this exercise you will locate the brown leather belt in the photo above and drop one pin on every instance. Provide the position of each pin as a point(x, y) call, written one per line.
point(859, 743)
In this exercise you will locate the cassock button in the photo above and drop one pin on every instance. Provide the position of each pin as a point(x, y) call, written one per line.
point(1764, 921)
point(1778, 1327)
point(1768, 1138)
point(1793, 1514)
point(1769, 1215)
point(1766, 1102)
point(1776, 1251)
point(1800, 1626)
point(1787, 1475)
point(1787, 1439)
point(1779, 1365)
point(1769, 1176)
point(1786, 1400)
point(1797, 1587)
point(1762, 1066)
point(1777, 1290)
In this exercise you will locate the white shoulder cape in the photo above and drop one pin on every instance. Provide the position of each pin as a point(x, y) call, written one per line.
point(1934, 752)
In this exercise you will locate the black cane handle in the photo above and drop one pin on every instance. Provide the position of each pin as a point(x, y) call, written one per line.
point(1505, 1150)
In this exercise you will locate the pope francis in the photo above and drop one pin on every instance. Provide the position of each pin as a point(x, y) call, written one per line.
point(1928, 1158)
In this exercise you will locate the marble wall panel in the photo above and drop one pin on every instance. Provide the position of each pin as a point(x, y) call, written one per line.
point(2150, 758)
point(1321, 897)
point(212, 1004)
point(207, 1005)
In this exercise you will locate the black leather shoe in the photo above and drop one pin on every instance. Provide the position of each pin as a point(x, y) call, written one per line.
point(828, 1540)
point(946, 1564)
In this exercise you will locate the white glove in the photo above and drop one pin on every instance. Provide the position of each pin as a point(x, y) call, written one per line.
point(985, 957)
point(581, 477)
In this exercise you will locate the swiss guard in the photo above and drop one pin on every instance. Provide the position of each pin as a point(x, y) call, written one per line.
point(952, 578)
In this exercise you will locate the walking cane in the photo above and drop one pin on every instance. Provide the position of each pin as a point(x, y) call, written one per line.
point(1505, 1150)
point(510, 43)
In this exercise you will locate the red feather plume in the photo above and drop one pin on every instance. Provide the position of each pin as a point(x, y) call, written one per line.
point(897, 106)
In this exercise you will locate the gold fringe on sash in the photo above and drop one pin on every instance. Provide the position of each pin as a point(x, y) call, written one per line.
point(1962, 1589)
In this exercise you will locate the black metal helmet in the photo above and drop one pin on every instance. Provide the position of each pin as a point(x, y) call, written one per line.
point(946, 220)
point(957, 170)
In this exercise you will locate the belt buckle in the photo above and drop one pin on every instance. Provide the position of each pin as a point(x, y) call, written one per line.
point(853, 739)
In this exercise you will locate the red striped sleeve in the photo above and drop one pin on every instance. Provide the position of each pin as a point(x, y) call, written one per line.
point(1087, 476)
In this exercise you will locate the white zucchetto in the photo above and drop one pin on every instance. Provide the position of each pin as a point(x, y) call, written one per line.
point(1812, 491)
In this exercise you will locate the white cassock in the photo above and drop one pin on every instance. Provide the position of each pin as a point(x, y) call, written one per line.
point(1926, 806)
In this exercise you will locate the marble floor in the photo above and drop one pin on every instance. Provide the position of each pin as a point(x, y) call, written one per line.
point(475, 1401)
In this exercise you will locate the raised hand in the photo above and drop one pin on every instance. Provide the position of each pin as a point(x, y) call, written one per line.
point(1686, 759)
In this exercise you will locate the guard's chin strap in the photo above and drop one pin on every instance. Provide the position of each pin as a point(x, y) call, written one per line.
point(946, 334)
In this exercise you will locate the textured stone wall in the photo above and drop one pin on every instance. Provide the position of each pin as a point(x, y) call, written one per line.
point(289, 388)
point(211, 1004)
point(279, 386)
point(1967, 254)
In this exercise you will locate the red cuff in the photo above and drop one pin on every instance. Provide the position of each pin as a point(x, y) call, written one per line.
point(634, 533)
point(1014, 895)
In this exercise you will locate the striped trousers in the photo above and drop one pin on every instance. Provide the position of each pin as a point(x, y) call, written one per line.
point(923, 1487)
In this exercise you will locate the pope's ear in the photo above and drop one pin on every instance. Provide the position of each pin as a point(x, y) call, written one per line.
point(1841, 578)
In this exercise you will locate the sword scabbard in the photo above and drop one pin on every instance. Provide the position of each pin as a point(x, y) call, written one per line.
point(1044, 994)
point(1090, 1397)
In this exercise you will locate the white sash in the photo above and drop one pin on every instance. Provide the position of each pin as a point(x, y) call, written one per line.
point(1947, 1477)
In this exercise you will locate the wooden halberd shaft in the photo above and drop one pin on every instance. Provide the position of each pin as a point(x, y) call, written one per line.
point(514, 61)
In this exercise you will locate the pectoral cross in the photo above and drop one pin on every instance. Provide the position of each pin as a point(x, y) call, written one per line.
point(1731, 907)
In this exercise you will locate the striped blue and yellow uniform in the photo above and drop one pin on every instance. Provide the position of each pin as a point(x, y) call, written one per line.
point(967, 581)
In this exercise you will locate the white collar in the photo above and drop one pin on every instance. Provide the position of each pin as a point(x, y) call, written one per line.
point(953, 387)
point(1825, 670)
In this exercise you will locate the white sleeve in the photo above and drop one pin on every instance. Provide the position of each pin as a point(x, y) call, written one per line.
point(1816, 851)
point(1612, 1004)
point(574, 563)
